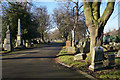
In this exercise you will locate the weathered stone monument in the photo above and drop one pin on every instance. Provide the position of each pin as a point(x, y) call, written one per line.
point(71, 49)
point(97, 58)
point(19, 38)
point(118, 54)
point(86, 47)
point(68, 44)
point(111, 59)
point(8, 41)
point(26, 44)
point(4, 43)
point(81, 56)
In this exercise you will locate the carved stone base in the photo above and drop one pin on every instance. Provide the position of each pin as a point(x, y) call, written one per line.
point(96, 65)
point(19, 41)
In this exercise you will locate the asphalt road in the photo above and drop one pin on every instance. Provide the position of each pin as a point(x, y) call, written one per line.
point(36, 63)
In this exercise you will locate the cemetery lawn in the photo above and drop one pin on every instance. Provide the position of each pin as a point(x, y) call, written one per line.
point(109, 73)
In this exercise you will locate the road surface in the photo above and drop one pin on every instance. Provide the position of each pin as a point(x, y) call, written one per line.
point(36, 63)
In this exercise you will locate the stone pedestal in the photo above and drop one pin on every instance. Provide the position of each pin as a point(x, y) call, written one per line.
point(96, 65)
point(68, 44)
point(81, 56)
point(19, 40)
point(8, 41)
point(97, 59)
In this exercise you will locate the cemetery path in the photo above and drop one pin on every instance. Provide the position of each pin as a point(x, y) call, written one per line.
point(36, 63)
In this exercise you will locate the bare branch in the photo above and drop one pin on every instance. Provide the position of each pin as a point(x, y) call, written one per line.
point(107, 13)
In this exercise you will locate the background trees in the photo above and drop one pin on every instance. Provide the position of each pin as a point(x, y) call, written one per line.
point(14, 11)
point(65, 19)
point(35, 22)
point(43, 20)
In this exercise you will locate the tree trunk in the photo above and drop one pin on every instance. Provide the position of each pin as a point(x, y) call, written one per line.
point(73, 38)
point(42, 37)
point(96, 35)
point(96, 23)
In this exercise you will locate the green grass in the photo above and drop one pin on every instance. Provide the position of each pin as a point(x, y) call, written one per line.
point(69, 59)
point(109, 74)
point(5, 51)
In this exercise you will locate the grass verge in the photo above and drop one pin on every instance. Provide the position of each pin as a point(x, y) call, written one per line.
point(105, 74)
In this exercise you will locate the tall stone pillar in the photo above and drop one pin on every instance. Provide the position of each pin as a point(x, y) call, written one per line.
point(19, 38)
point(8, 46)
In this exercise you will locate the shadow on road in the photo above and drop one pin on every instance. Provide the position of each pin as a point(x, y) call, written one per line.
point(35, 57)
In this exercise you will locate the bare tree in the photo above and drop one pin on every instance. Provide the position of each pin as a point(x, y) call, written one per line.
point(96, 23)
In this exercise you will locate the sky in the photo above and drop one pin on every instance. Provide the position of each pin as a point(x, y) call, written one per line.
point(112, 23)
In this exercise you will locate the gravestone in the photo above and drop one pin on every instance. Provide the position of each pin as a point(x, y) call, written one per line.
point(111, 59)
point(81, 56)
point(5, 40)
point(79, 44)
point(19, 38)
point(26, 44)
point(8, 42)
point(71, 49)
point(111, 48)
point(86, 47)
point(68, 44)
point(118, 54)
point(97, 58)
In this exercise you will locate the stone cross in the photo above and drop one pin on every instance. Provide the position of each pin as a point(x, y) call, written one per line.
point(8, 42)
point(97, 58)
point(19, 38)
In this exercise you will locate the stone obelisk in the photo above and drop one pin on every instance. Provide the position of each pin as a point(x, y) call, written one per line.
point(19, 38)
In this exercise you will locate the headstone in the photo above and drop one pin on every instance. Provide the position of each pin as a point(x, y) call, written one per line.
point(111, 48)
point(32, 44)
point(8, 42)
point(19, 38)
point(68, 44)
point(111, 59)
point(26, 44)
point(71, 49)
point(5, 40)
point(81, 56)
point(79, 44)
point(118, 54)
point(86, 47)
point(38, 41)
point(97, 58)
